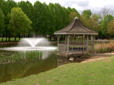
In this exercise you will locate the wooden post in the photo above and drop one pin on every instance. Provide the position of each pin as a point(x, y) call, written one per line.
point(93, 44)
point(87, 43)
point(58, 42)
point(67, 45)
point(82, 44)
point(92, 39)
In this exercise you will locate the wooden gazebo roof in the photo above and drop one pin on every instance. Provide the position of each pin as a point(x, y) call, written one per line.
point(75, 27)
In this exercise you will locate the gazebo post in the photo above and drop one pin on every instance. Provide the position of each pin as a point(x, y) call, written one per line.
point(67, 45)
point(87, 44)
point(58, 42)
point(93, 44)
point(82, 44)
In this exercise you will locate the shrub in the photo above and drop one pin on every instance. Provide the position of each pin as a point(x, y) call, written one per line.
point(104, 47)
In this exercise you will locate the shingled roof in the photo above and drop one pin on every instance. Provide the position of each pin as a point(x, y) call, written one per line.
point(75, 27)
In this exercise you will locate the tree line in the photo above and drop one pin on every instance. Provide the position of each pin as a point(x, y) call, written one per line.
point(25, 19)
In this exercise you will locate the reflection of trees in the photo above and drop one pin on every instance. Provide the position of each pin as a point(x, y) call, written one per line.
point(2, 73)
point(19, 70)
point(42, 65)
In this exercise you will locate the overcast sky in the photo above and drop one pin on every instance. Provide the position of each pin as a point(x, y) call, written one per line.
point(94, 5)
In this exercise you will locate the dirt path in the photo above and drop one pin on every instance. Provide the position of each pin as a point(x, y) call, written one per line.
point(96, 57)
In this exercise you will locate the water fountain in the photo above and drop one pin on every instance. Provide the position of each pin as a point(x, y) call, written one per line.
point(33, 44)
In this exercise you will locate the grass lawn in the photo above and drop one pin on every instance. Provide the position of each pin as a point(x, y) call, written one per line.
point(11, 39)
point(99, 72)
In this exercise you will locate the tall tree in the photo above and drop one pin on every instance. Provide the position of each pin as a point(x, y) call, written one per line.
point(72, 10)
point(104, 11)
point(27, 8)
point(7, 5)
point(2, 24)
point(94, 22)
point(52, 19)
point(19, 23)
point(39, 18)
point(107, 19)
point(1, 21)
point(72, 16)
point(111, 28)
point(87, 13)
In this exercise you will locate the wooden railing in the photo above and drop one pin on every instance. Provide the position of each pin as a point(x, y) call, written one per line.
point(74, 48)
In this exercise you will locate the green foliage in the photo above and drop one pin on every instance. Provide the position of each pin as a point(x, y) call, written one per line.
point(46, 19)
point(111, 27)
point(12, 57)
point(19, 23)
point(7, 5)
point(2, 24)
point(27, 8)
point(39, 18)
point(107, 19)
point(87, 13)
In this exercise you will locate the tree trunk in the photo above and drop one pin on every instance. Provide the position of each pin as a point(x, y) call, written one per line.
point(55, 38)
point(9, 37)
point(15, 39)
point(50, 37)
point(6, 37)
point(19, 37)
point(2, 37)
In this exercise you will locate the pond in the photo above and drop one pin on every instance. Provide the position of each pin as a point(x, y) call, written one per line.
point(17, 70)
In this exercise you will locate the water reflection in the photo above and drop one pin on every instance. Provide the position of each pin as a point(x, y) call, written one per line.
point(20, 70)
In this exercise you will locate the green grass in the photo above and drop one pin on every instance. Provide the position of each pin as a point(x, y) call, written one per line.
point(99, 72)
point(11, 39)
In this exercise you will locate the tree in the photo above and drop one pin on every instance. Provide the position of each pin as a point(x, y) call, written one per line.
point(104, 11)
point(95, 22)
point(87, 13)
point(39, 18)
point(111, 27)
point(27, 8)
point(86, 21)
point(7, 5)
point(73, 12)
point(19, 23)
point(72, 16)
point(52, 19)
point(107, 19)
point(2, 24)
point(1, 21)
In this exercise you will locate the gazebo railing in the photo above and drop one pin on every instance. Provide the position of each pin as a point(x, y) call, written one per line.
point(74, 48)
point(62, 48)
point(77, 48)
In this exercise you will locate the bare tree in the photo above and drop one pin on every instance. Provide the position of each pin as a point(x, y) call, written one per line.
point(104, 11)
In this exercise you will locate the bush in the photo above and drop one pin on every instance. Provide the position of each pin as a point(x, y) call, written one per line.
point(104, 47)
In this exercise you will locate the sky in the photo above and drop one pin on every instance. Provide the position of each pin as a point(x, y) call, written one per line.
point(94, 5)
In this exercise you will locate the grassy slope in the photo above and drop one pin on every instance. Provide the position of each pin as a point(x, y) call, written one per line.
point(92, 73)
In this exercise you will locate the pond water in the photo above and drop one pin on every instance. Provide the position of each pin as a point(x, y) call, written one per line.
point(19, 70)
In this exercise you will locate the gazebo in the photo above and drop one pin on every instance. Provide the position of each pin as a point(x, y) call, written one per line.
point(78, 39)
